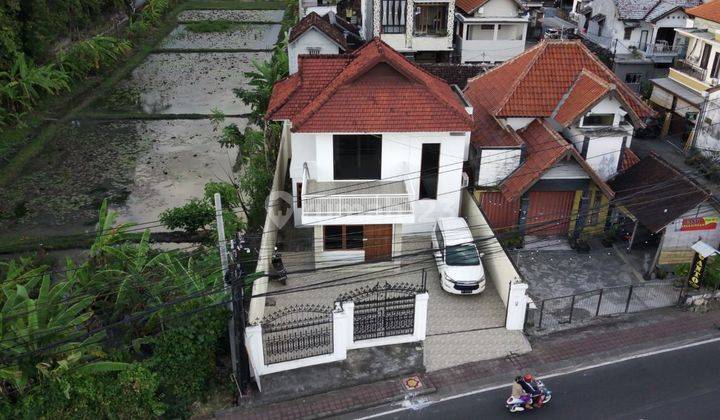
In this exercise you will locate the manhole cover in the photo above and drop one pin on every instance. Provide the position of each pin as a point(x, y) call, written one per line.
point(413, 383)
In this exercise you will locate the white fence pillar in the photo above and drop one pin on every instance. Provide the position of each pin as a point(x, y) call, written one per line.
point(516, 306)
point(342, 330)
point(421, 306)
point(254, 347)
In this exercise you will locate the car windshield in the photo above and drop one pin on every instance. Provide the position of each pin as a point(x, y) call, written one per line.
point(465, 254)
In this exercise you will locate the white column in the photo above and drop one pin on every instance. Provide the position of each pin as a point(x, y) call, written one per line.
point(495, 32)
point(254, 347)
point(421, 306)
point(342, 330)
point(516, 306)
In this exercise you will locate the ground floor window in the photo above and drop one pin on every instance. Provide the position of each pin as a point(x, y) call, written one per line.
point(343, 237)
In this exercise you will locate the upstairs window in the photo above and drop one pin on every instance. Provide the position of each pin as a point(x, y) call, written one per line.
point(481, 32)
point(628, 34)
point(356, 157)
point(392, 16)
point(431, 19)
point(313, 50)
point(598, 119)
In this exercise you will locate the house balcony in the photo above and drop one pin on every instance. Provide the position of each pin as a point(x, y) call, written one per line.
point(356, 202)
point(662, 52)
point(687, 68)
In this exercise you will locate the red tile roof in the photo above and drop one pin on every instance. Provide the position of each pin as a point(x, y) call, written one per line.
point(374, 89)
point(587, 91)
point(629, 158)
point(544, 147)
point(313, 20)
point(709, 11)
point(533, 83)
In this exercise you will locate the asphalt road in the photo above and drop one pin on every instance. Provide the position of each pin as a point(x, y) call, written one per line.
point(681, 384)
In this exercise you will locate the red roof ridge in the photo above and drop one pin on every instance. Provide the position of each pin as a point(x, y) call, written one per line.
point(277, 103)
point(564, 120)
point(373, 53)
point(541, 47)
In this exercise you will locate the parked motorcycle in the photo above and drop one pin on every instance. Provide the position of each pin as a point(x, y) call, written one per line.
point(280, 273)
point(515, 405)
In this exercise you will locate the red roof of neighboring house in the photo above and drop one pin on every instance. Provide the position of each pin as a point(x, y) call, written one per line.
point(533, 83)
point(374, 89)
point(313, 20)
point(544, 147)
point(469, 6)
point(587, 90)
point(629, 158)
point(708, 11)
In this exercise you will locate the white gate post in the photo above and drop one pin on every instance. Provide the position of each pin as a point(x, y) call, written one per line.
point(516, 306)
point(421, 306)
point(342, 329)
point(254, 347)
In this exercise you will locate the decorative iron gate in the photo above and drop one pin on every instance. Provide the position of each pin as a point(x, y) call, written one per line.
point(297, 332)
point(383, 310)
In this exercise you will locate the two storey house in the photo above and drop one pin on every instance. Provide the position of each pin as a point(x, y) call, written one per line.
point(490, 31)
point(552, 126)
point(315, 34)
point(377, 150)
point(691, 92)
point(639, 33)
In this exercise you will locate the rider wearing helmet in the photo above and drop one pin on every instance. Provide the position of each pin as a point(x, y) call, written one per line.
point(518, 393)
point(531, 387)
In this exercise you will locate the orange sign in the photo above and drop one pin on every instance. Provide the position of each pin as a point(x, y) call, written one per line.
point(699, 223)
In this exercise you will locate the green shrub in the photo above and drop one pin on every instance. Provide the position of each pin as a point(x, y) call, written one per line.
point(184, 356)
point(194, 215)
point(228, 193)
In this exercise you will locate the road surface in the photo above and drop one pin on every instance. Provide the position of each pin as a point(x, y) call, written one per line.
point(680, 384)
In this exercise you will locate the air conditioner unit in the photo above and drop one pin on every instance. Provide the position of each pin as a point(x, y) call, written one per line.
point(713, 82)
point(465, 180)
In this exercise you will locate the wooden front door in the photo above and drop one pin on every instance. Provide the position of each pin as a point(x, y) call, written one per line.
point(549, 212)
point(377, 242)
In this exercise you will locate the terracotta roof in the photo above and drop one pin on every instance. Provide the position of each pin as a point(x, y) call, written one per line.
point(469, 6)
point(587, 90)
point(656, 193)
point(489, 132)
point(629, 158)
point(533, 83)
point(544, 147)
point(709, 11)
point(374, 89)
point(313, 20)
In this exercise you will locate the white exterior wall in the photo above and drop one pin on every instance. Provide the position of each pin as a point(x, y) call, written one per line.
point(312, 38)
point(707, 137)
point(498, 8)
point(496, 165)
point(409, 42)
point(401, 157)
point(675, 239)
point(518, 123)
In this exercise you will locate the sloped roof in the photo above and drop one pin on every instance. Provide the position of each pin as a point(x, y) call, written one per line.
point(374, 89)
point(533, 83)
point(629, 158)
point(709, 11)
point(313, 20)
point(650, 10)
point(469, 6)
point(656, 193)
point(543, 149)
point(587, 90)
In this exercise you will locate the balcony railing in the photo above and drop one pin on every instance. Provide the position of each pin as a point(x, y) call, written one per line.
point(662, 48)
point(353, 198)
point(690, 69)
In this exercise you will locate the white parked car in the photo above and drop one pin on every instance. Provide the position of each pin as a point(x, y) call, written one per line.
point(457, 257)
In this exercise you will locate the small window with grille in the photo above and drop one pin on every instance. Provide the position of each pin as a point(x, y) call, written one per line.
point(313, 50)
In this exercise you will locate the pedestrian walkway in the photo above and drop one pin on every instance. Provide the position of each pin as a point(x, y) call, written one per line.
point(626, 336)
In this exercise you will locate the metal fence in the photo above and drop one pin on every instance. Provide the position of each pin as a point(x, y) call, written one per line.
point(557, 312)
point(297, 332)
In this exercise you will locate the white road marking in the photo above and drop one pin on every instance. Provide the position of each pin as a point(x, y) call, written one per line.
point(551, 375)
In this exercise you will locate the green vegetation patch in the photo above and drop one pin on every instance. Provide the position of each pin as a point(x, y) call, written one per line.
point(233, 5)
point(206, 26)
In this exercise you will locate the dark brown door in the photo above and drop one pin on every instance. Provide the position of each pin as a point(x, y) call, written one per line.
point(549, 212)
point(378, 242)
point(705, 56)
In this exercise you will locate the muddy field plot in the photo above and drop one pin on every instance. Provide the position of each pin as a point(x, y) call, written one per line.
point(183, 155)
point(190, 83)
point(232, 15)
point(241, 36)
point(62, 188)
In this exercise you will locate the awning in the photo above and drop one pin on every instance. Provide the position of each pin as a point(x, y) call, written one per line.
point(679, 90)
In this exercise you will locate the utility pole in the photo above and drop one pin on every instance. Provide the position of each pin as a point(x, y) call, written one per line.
point(236, 276)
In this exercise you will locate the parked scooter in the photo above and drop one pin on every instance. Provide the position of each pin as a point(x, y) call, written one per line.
point(515, 405)
point(280, 272)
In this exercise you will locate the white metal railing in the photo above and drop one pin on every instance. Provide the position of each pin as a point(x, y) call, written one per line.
point(328, 203)
point(664, 48)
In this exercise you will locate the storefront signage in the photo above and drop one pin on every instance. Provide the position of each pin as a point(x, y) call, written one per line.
point(699, 223)
point(697, 269)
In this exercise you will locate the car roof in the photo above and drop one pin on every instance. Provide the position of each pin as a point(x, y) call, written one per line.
point(455, 230)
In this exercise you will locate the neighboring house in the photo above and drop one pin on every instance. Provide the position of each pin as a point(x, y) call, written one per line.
point(692, 85)
point(490, 31)
point(315, 34)
point(377, 145)
point(321, 7)
point(551, 126)
point(639, 33)
point(663, 201)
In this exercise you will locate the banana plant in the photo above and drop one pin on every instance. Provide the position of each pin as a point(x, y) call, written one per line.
point(41, 338)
